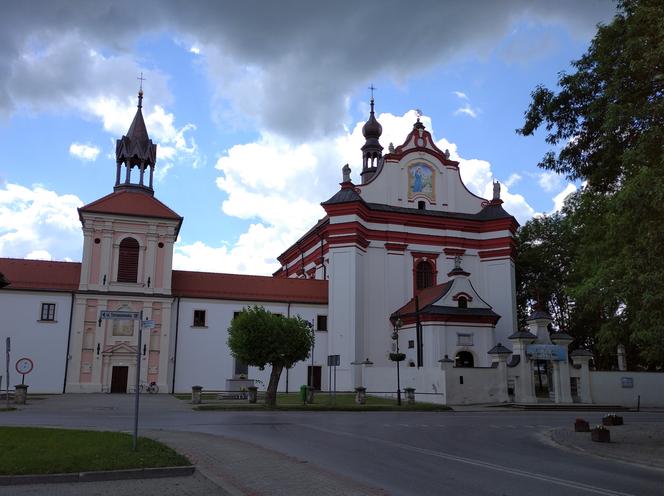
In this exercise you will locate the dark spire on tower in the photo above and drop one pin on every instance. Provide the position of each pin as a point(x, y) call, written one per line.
point(372, 151)
point(136, 149)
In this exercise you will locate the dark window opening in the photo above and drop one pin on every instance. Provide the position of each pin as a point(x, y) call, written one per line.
point(235, 314)
point(421, 205)
point(128, 261)
point(321, 323)
point(411, 343)
point(199, 318)
point(423, 275)
point(48, 311)
point(462, 302)
point(464, 359)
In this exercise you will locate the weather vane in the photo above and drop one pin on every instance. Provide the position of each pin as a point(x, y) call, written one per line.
point(142, 79)
point(418, 112)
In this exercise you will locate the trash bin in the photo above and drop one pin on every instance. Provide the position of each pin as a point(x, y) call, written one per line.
point(303, 394)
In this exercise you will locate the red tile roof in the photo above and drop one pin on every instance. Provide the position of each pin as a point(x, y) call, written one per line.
point(40, 274)
point(134, 203)
point(64, 276)
point(426, 297)
point(251, 288)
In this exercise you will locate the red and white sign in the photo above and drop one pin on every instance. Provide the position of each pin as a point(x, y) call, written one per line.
point(24, 366)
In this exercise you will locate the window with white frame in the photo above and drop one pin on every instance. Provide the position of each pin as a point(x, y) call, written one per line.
point(464, 339)
point(47, 312)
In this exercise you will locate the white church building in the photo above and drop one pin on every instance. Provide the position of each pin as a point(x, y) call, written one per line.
point(409, 253)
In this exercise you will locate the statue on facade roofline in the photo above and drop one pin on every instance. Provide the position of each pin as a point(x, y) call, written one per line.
point(496, 190)
point(346, 173)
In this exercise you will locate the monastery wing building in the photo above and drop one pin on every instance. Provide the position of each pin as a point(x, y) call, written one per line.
point(408, 259)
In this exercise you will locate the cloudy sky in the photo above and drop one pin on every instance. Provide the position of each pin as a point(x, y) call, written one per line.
point(256, 106)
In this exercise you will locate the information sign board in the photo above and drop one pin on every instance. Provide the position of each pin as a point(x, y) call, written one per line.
point(550, 352)
point(118, 315)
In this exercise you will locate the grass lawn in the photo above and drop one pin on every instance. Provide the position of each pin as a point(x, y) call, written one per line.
point(30, 450)
point(322, 401)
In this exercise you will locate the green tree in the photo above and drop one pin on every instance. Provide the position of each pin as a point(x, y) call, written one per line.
point(544, 247)
point(260, 338)
point(607, 124)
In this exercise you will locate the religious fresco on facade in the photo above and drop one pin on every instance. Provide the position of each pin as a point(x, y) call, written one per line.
point(123, 327)
point(421, 181)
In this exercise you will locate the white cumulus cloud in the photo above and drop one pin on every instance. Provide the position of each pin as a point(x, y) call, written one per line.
point(559, 199)
point(84, 152)
point(39, 223)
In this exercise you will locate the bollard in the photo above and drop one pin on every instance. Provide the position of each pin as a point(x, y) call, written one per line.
point(360, 395)
point(196, 395)
point(410, 395)
point(252, 394)
point(21, 394)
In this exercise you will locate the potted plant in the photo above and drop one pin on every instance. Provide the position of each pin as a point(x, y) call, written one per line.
point(600, 434)
point(581, 425)
point(612, 419)
point(397, 357)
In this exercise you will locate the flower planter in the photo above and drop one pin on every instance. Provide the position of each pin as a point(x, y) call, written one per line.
point(601, 435)
point(397, 357)
point(612, 420)
point(581, 425)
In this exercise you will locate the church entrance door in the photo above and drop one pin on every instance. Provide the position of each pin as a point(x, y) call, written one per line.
point(119, 379)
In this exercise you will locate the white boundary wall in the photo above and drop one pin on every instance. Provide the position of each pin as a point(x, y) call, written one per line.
point(607, 388)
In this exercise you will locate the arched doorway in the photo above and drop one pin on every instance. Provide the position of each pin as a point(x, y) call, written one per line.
point(464, 359)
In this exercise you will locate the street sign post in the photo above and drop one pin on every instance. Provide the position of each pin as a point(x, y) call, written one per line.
point(118, 315)
point(8, 347)
point(125, 315)
point(24, 366)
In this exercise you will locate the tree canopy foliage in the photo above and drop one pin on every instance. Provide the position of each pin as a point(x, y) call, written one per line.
point(261, 338)
point(605, 251)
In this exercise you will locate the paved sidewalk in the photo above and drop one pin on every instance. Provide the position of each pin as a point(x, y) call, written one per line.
point(641, 443)
point(242, 468)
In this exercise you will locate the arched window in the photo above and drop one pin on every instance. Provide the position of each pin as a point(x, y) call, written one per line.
point(423, 275)
point(462, 301)
point(128, 260)
point(464, 359)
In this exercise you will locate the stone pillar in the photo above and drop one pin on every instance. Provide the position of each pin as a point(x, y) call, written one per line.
point(446, 365)
point(582, 357)
point(20, 394)
point(252, 394)
point(502, 353)
point(622, 364)
point(142, 169)
point(196, 395)
point(524, 385)
point(561, 369)
point(117, 175)
point(410, 395)
point(151, 175)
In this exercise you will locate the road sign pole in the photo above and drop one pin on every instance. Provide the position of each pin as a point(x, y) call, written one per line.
point(138, 378)
point(8, 347)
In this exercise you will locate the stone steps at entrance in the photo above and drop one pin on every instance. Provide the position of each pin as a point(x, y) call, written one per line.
point(569, 407)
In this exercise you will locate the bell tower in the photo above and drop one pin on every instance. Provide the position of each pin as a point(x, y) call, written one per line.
point(372, 151)
point(135, 149)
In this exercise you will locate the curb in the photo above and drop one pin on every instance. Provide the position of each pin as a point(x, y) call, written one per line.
point(98, 476)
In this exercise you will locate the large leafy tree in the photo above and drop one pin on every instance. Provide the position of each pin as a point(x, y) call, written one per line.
point(607, 123)
point(260, 338)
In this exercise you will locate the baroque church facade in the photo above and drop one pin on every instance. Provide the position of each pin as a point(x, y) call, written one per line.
point(408, 258)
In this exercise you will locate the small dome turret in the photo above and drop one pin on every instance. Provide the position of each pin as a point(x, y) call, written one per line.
point(372, 151)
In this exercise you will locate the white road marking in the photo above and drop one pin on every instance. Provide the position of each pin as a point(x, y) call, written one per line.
point(477, 463)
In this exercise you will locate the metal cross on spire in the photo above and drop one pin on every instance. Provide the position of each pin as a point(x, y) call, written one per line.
point(372, 88)
point(141, 79)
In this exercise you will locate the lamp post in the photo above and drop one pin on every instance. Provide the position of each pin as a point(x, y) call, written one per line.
point(397, 356)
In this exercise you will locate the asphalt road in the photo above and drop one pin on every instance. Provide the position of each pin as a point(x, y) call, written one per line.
point(409, 453)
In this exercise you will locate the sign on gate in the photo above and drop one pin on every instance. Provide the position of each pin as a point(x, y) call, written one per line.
point(551, 352)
